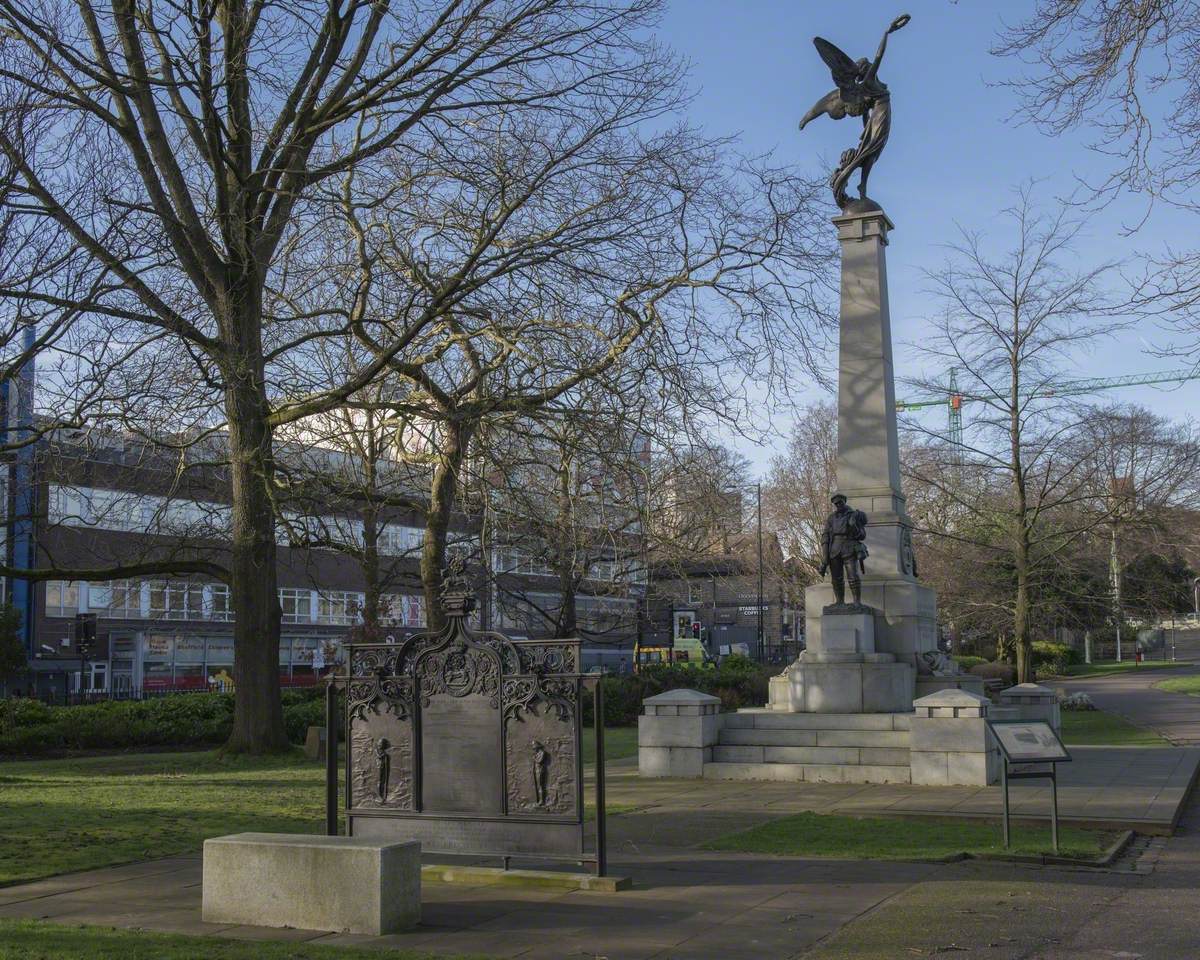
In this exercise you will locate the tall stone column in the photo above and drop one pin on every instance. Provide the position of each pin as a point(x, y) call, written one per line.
point(868, 464)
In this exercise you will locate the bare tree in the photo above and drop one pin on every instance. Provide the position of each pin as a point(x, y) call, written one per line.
point(1145, 470)
point(800, 482)
point(1128, 70)
point(187, 154)
point(1008, 325)
point(583, 252)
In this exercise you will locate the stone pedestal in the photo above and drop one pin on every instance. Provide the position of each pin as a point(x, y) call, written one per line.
point(676, 733)
point(868, 461)
point(842, 672)
point(1032, 702)
point(949, 741)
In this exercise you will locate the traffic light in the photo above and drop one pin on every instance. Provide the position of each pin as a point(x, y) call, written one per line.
point(85, 632)
point(696, 630)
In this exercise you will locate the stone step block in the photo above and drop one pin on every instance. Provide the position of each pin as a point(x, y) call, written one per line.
point(862, 738)
point(737, 754)
point(807, 772)
point(883, 756)
point(774, 720)
point(773, 738)
point(838, 755)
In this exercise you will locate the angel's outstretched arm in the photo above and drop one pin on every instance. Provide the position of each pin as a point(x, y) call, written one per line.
point(896, 24)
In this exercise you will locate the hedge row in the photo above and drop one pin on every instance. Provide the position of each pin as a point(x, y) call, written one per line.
point(31, 728)
point(738, 681)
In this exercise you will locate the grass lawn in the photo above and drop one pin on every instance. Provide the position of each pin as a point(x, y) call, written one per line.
point(1103, 668)
point(94, 811)
point(91, 812)
point(1189, 684)
point(826, 835)
point(1088, 728)
point(33, 940)
point(619, 742)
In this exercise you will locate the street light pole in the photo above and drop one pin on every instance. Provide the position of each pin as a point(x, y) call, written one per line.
point(761, 638)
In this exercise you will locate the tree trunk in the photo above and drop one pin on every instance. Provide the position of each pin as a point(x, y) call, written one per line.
point(1022, 642)
point(257, 713)
point(568, 618)
point(453, 454)
point(370, 522)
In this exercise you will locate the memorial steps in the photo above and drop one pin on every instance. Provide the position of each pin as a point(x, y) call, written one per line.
point(761, 744)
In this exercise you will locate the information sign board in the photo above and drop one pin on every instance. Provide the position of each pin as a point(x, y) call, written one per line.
point(1029, 741)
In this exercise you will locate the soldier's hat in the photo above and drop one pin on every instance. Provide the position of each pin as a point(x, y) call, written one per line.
point(838, 496)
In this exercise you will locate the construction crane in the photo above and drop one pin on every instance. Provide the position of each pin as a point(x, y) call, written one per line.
point(954, 398)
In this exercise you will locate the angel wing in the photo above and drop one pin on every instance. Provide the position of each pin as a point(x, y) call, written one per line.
point(844, 70)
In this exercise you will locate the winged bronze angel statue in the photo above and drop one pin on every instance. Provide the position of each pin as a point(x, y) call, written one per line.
point(859, 93)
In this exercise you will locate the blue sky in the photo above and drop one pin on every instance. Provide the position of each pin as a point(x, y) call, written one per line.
point(955, 155)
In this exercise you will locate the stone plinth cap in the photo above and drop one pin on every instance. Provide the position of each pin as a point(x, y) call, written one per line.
point(680, 698)
point(311, 840)
point(953, 697)
point(1028, 690)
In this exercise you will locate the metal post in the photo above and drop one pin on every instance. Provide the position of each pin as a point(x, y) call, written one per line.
point(601, 826)
point(1054, 807)
point(1004, 783)
point(331, 759)
point(761, 634)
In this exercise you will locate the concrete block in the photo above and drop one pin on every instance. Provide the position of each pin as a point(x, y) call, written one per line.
point(773, 738)
point(833, 688)
point(343, 884)
point(887, 687)
point(862, 738)
point(967, 769)
point(811, 754)
point(883, 756)
point(847, 632)
point(738, 753)
point(1033, 702)
point(942, 735)
point(928, 769)
point(699, 731)
point(673, 761)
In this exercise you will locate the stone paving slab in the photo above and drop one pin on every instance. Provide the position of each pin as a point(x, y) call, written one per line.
point(1115, 787)
point(687, 906)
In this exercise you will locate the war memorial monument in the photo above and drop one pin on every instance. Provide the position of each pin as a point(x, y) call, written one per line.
point(871, 699)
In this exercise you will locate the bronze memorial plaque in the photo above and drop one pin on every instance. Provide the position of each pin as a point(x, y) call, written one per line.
point(467, 741)
point(460, 741)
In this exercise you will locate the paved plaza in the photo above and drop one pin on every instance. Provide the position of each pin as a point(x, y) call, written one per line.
point(689, 903)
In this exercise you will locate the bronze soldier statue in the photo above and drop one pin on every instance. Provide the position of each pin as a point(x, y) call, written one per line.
point(845, 551)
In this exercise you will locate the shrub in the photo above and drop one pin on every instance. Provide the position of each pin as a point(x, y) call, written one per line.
point(1077, 701)
point(184, 720)
point(1053, 658)
point(738, 681)
point(967, 662)
point(300, 715)
point(996, 671)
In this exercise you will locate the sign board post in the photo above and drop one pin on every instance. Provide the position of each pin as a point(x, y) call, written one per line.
point(1027, 748)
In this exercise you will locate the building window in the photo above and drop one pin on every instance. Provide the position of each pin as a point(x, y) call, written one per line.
point(169, 601)
point(403, 610)
point(296, 604)
point(397, 540)
point(116, 599)
point(220, 604)
point(338, 607)
point(62, 598)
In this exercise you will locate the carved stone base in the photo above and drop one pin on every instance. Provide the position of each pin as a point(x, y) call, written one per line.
point(874, 685)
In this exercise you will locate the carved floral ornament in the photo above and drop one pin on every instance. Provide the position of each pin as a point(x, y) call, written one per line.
point(458, 662)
